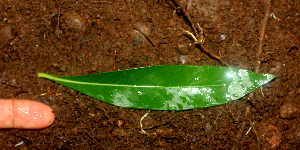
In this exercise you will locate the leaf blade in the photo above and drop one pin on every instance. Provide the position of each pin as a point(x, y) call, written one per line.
point(167, 87)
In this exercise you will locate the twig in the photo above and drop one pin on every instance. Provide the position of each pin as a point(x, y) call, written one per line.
point(215, 122)
point(261, 39)
point(248, 130)
point(101, 2)
point(252, 124)
point(188, 17)
point(145, 36)
point(262, 34)
point(198, 38)
point(59, 12)
point(207, 51)
point(141, 123)
point(115, 59)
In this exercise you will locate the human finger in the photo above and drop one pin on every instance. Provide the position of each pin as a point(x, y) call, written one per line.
point(25, 114)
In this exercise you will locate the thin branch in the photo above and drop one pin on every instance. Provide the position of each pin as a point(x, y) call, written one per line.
point(145, 36)
point(141, 123)
point(198, 38)
point(188, 17)
point(262, 34)
point(214, 56)
point(59, 12)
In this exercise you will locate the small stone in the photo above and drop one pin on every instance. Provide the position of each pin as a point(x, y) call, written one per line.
point(120, 123)
point(137, 41)
point(118, 132)
point(75, 130)
point(94, 68)
point(182, 48)
point(105, 123)
point(223, 37)
point(208, 127)
point(159, 131)
point(182, 59)
point(75, 21)
point(269, 135)
point(166, 133)
point(141, 27)
point(288, 111)
point(5, 35)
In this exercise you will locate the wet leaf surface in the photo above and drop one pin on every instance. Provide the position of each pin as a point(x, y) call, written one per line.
point(167, 87)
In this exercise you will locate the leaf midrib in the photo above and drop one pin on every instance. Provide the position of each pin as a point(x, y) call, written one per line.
point(57, 79)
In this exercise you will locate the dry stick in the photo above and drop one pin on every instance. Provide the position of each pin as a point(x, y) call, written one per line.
point(145, 36)
point(59, 12)
point(141, 122)
point(115, 60)
point(214, 56)
point(188, 17)
point(262, 34)
point(193, 26)
point(101, 2)
point(261, 39)
point(263, 31)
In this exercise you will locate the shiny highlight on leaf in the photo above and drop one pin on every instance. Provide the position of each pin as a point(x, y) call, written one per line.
point(169, 87)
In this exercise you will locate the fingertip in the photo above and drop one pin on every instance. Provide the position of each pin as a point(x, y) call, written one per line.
point(25, 114)
point(32, 115)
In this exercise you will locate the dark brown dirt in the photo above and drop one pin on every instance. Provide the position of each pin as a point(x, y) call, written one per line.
point(83, 37)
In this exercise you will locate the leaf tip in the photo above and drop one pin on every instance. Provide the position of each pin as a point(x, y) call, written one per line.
point(270, 77)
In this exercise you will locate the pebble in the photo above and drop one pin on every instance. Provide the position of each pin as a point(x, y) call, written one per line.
point(105, 123)
point(120, 123)
point(137, 41)
point(159, 131)
point(75, 130)
point(223, 37)
point(182, 48)
point(5, 35)
point(288, 111)
point(75, 21)
point(118, 132)
point(141, 30)
point(182, 59)
point(276, 69)
point(269, 135)
point(141, 27)
point(164, 133)
point(208, 127)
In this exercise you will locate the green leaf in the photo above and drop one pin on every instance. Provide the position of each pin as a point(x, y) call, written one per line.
point(169, 87)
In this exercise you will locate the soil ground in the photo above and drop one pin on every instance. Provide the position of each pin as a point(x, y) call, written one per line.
point(78, 37)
